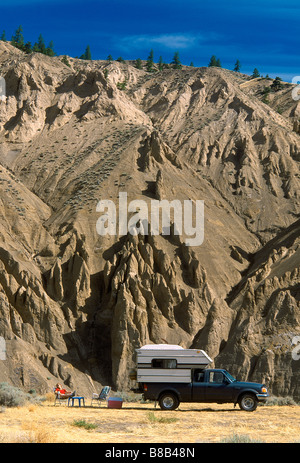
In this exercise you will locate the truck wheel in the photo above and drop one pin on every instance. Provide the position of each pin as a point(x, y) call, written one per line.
point(248, 402)
point(168, 401)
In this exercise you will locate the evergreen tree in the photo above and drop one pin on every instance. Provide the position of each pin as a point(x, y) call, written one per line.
point(120, 59)
point(160, 63)
point(41, 44)
point(255, 73)
point(35, 48)
point(218, 63)
point(87, 55)
point(192, 64)
point(27, 47)
point(50, 49)
point(277, 84)
point(18, 40)
point(176, 61)
point(138, 63)
point(3, 37)
point(65, 61)
point(237, 66)
point(109, 58)
point(213, 61)
point(150, 61)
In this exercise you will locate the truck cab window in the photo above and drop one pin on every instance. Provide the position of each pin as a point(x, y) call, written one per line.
point(216, 377)
point(164, 363)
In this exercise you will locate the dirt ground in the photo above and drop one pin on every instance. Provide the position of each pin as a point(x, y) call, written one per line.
point(142, 423)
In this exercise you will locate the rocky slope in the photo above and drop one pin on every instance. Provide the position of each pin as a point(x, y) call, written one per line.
point(74, 304)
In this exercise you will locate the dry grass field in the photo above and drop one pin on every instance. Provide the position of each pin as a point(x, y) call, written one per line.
point(142, 423)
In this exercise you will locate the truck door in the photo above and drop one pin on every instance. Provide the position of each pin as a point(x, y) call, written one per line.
point(218, 387)
point(199, 386)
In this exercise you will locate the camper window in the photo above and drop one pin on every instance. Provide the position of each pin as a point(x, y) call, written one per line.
point(164, 363)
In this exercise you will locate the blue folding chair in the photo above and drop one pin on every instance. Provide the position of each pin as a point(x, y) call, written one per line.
point(102, 397)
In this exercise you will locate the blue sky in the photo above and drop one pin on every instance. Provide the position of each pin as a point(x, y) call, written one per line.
point(260, 34)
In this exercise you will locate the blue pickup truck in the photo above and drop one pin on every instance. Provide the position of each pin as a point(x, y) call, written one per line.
point(207, 386)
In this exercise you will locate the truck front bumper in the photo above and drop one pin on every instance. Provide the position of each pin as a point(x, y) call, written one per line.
point(262, 397)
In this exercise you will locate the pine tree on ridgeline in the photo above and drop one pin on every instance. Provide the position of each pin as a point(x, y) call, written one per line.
point(27, 48)
point(87, 55)
point(150, 61)
point(277, 84)
point(41, 44)
point(255, 73)
point(237, 66)
point(138, 63)
point(50, 49)
point(160, 63)
point(35, 48)
point(176, 61)
point(213, 61)
point(17, 40)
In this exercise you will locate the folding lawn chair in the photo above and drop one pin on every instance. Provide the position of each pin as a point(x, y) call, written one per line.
point(102, 397)
point(59, 399)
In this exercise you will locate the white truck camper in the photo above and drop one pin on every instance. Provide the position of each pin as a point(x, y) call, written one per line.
point(167, 363)
point(171, 374)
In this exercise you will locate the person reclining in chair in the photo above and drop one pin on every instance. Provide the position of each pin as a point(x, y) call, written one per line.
point(63, 393)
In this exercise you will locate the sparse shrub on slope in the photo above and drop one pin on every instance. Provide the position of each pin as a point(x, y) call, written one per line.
point(11, 396)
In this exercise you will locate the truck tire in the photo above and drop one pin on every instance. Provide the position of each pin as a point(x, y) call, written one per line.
point(248, 402)
point(168, 401)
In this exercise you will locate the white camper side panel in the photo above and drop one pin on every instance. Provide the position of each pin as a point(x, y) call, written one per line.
point(161, 375)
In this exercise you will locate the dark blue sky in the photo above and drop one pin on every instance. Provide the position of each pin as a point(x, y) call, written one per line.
point(262, 34)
